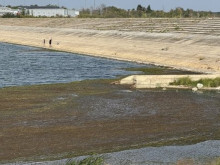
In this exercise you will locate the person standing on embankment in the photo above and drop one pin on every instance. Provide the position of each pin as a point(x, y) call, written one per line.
point(50, 42)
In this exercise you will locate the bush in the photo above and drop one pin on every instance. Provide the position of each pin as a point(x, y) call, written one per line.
point(9, 15)
point(206, 82)
point(183, 81)
point(87, 161)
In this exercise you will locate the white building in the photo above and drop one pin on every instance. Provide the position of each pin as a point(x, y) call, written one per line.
point(50, 12)
point(5, 10)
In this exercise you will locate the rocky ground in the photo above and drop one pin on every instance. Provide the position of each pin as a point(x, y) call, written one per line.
point(205, 153)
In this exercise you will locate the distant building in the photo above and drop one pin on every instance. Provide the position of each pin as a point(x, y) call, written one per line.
point(50, 11)
point(5, 10)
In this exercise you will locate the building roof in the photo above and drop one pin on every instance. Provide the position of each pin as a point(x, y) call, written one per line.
point(3, 7)
point(40, 7)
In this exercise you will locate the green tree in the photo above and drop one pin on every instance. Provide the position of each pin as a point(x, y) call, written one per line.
point(148, 9)
point(139, 8)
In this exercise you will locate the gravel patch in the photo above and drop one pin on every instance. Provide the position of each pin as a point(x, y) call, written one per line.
point(200, 153)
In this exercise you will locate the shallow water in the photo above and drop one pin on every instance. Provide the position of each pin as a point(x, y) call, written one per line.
point(22, 65)
point(125, 116)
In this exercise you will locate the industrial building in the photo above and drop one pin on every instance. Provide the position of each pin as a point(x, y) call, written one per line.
point(50, 11)
point(5, 10)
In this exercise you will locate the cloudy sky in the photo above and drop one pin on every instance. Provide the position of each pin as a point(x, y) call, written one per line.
point(207, 5)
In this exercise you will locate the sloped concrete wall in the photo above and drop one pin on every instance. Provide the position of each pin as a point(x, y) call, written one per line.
point(154, 81)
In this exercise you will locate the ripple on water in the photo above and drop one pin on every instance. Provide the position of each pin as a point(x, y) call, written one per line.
point(21, 65)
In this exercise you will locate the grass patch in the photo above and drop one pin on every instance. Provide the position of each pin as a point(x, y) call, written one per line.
point(147, 70)
point(159, 71)
point(92, 160)
point(206, 82)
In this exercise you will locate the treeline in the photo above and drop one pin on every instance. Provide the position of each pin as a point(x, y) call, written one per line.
point(143, 12)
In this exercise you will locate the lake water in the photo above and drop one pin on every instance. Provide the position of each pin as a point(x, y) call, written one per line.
point(22, 65)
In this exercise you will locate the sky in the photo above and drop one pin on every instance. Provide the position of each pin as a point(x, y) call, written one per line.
point(205, 5)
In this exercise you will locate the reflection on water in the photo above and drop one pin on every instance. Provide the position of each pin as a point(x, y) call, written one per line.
point(21, 65)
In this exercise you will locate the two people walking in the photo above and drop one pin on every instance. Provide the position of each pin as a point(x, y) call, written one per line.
point(50, 42)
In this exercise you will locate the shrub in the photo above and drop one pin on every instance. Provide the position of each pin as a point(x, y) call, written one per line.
point(87, 161)
point(206, 82)
point(9, 15)
point(183, 81)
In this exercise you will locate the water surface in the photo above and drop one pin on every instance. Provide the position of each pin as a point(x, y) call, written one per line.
point(22, 65)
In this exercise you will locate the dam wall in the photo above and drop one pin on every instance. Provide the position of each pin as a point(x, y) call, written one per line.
point(155, 81)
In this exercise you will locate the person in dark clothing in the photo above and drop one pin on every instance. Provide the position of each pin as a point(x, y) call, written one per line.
point(50, 42)
point(44, 41)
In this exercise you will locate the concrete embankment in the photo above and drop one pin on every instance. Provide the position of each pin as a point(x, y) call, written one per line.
point(154, 81)
point(191, 51)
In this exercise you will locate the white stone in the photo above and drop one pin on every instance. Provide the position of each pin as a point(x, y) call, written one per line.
point(194, 89)
point(199, 85)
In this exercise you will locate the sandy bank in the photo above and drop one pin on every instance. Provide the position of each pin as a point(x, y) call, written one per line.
point(184, 51)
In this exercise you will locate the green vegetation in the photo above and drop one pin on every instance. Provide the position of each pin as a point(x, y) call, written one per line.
point(150, 71)
point(206, 82)
point(57, 116)
point(10, 15)
point(104, 12)
point(142, 12)
point(21, 15)
point(87, 161)
point(159, 71)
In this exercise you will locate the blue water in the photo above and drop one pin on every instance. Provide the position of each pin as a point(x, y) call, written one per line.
point(22, 65)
